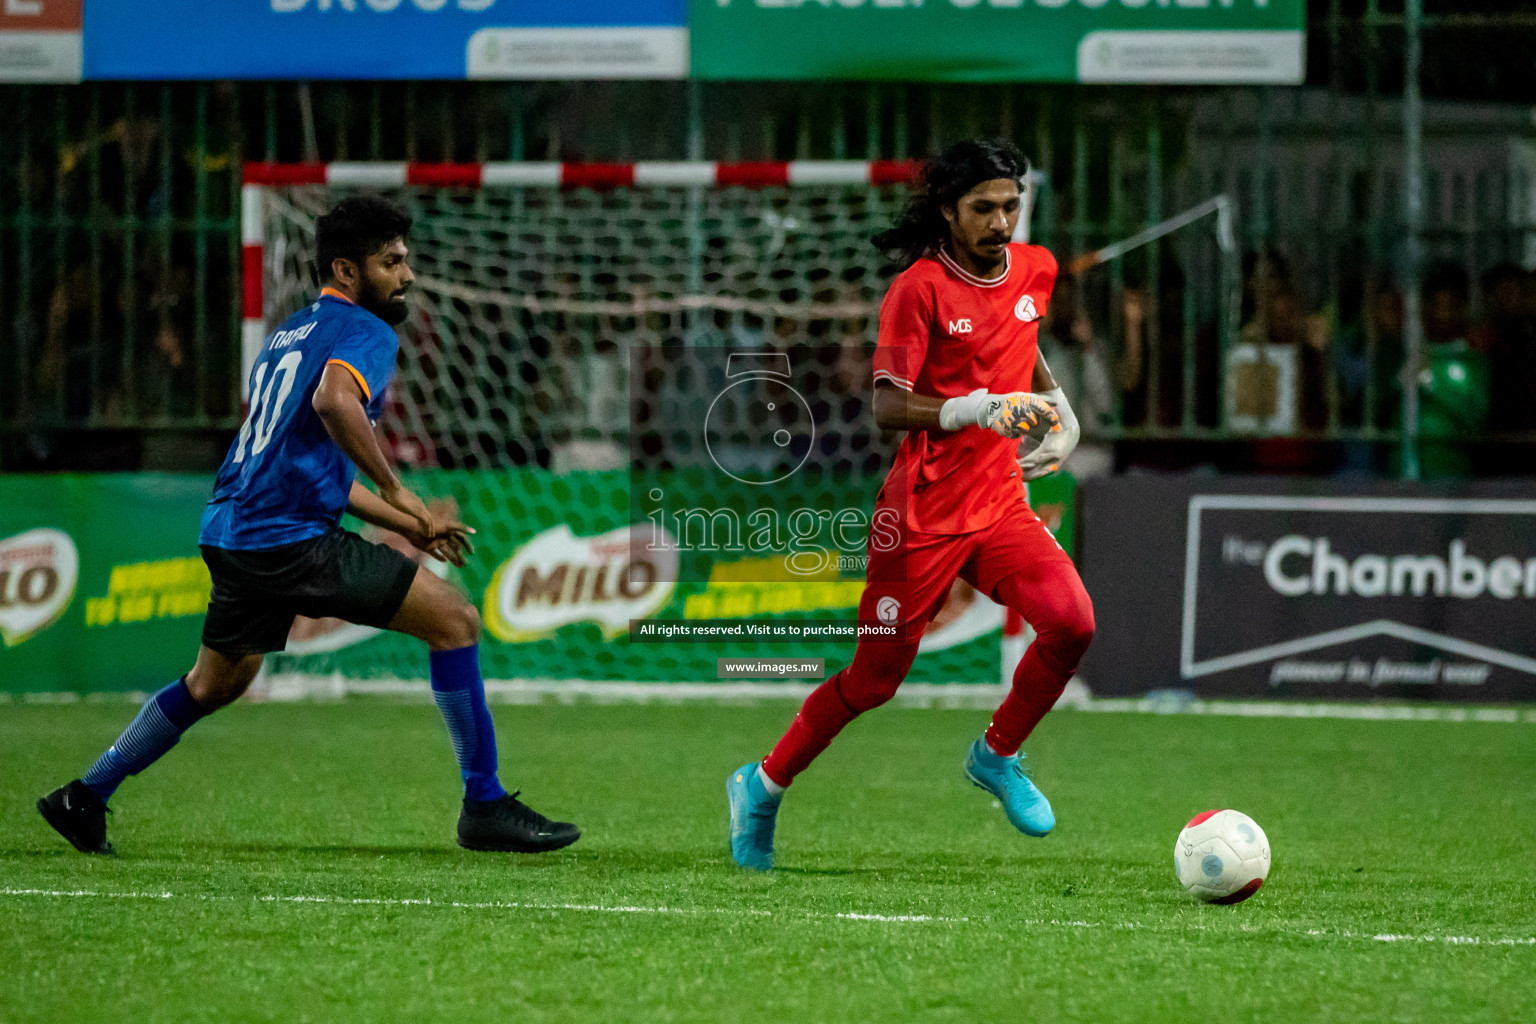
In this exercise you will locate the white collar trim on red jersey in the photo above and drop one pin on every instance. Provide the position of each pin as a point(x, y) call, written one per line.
point(970, 278)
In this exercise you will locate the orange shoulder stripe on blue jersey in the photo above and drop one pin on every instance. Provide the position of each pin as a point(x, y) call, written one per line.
point(361, 381)
point(367, 392)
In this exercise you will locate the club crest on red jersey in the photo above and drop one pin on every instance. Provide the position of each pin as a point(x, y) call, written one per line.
point(1025, 310)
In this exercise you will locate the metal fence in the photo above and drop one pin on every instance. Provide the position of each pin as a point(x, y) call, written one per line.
point(119, 234)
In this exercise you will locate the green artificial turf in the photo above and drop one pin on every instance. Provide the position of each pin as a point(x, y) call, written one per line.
point(1422, 830)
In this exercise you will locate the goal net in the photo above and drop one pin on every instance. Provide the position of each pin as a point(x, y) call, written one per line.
point(537, 303)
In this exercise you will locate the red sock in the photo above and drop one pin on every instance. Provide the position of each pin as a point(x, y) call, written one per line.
point(1052, 599)
point(1035, 689)
point(821, 717)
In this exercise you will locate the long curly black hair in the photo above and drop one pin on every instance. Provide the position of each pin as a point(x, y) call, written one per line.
point(941, 182)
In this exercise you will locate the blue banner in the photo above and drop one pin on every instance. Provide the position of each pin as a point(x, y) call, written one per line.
point(385, 39)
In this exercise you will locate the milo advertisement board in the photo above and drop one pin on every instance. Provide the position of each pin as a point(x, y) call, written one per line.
point(101, 583)
point(102, 587)
point(564, 572)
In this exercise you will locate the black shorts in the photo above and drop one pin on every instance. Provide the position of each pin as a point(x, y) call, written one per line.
point(338, 574)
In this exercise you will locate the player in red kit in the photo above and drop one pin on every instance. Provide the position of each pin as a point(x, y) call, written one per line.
point(957, 366)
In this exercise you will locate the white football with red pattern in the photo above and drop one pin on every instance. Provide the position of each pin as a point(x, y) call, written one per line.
point(1222, 856)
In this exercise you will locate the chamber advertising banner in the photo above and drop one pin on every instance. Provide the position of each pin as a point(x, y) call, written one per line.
point(1147, 41)
point(1311, 589)
point(384, 39)
point(40, 40)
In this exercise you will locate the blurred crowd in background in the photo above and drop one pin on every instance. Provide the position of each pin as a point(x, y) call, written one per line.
point(120, 287)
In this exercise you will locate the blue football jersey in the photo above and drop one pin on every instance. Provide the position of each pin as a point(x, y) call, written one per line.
point(284, 479)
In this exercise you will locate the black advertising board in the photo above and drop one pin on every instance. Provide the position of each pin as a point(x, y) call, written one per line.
point(1274, 588)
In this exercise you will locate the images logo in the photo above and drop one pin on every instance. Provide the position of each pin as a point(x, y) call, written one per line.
point(759, 393)
point(558, 578)
point(38, 573)
point(781, 477)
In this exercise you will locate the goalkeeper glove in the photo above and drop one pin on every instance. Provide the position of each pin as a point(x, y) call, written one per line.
point(1055, 446)
point(1012, 415)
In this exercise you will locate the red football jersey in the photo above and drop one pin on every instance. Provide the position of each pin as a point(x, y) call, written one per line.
point(946, 332)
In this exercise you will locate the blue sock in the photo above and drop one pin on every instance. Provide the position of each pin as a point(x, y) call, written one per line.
point(460, 696)
point(156, 728)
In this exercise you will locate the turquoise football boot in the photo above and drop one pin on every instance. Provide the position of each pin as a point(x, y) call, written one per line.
point(1027, 808)
point(753, 811)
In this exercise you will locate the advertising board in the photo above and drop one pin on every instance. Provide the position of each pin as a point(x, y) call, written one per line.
point(1311, 589)
point(40, 40)
point(1106, 41)
point(565, 569)
point(1145, 41)
point(102, 588)
point(101, 583)
point(385, 39)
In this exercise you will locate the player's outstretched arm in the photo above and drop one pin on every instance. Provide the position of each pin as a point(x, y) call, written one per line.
point(899, 409)
point(338, 401)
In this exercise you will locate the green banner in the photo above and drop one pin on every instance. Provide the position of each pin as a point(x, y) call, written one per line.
point(552, 552)
point(1146, 41)
point(102, 588)
point(101, 583)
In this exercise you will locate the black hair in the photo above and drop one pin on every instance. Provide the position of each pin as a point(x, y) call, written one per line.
point(1447, 276)
point(1277, 267)
point(356, 228)
point(941, 183)
point(1500, 273)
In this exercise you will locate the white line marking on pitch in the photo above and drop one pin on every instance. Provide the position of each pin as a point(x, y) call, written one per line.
point(598, 908)
point(1450, 940)
point(976, 696)
point(595, 908)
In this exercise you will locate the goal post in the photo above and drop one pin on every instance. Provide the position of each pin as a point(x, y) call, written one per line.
point(535, 284)
point(260, 177)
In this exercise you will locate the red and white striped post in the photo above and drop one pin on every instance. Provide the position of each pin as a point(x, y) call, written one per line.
point(253, 327)
point(534, 174)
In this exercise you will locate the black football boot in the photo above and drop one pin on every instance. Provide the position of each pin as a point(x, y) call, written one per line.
point(510, 824)
point(78, 815)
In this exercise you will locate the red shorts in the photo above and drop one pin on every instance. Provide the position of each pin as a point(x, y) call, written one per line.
point(909, 583)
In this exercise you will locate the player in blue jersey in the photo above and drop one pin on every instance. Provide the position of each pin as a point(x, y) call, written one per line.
point(275, 549)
